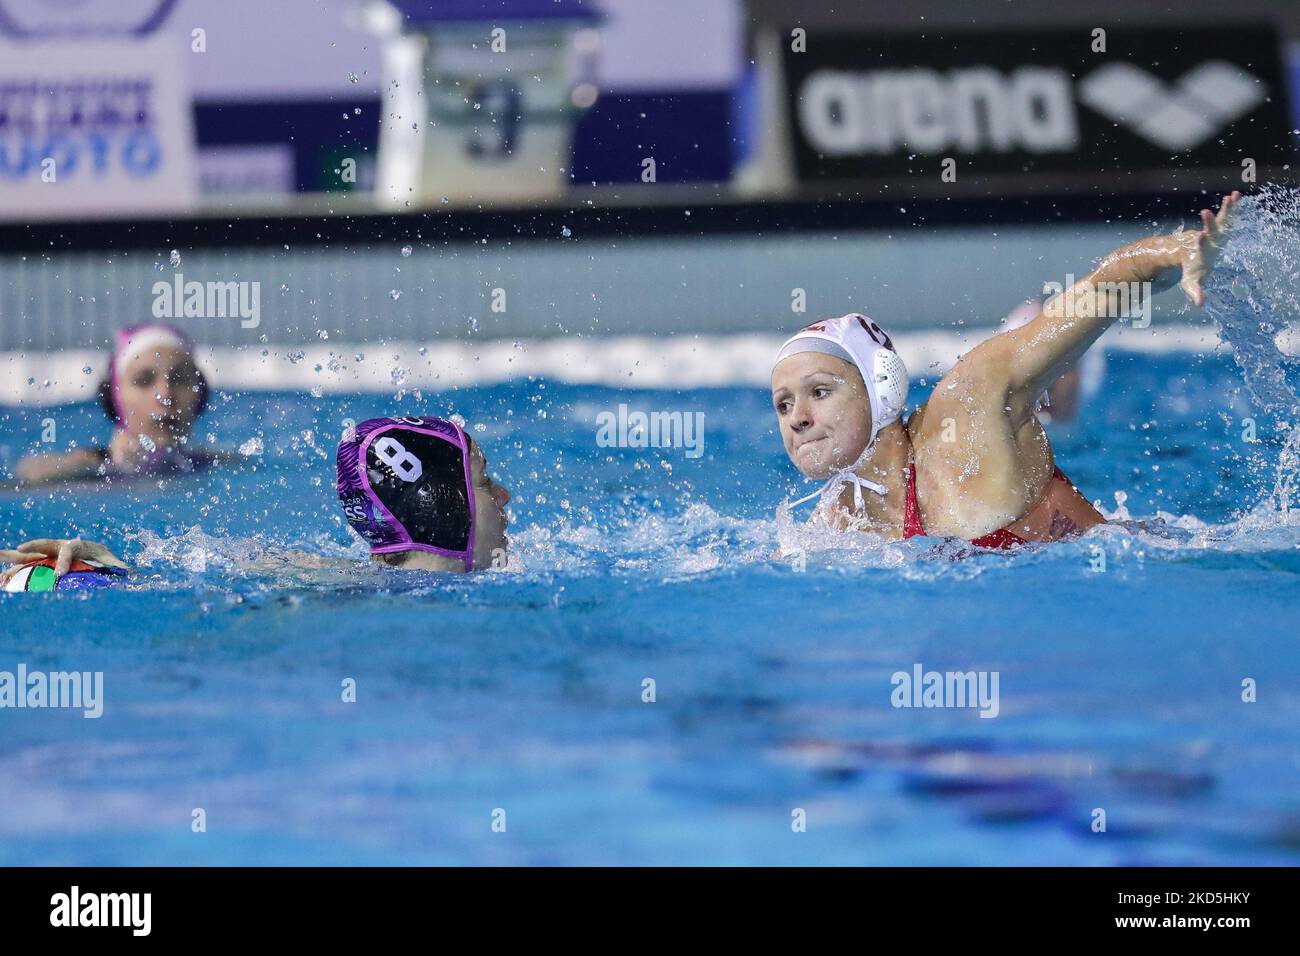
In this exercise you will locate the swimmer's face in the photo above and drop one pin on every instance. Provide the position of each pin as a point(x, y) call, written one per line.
point(490, 519)
point(823, 411)
point(157, 394)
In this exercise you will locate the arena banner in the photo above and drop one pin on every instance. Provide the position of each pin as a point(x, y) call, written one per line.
point(1083, 101)
point(94, 128)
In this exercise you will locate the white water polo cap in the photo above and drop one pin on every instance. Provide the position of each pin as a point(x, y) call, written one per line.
point(859, 341)
point(862, 343)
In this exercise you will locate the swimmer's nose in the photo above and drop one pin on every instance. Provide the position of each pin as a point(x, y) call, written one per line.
point(500, 495)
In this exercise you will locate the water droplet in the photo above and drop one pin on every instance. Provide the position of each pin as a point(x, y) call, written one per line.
point(87, 370)
point(352, 77)
point(394, 294)
point(175, 259)
point(566, 232)
point(323, 335)
point(147, 443)
point(406, 251)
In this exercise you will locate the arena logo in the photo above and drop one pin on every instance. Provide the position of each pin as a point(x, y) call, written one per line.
point(1031, 108)
point(208, 300)
point(41, 19)
point(976, 109)
point(1176, 117)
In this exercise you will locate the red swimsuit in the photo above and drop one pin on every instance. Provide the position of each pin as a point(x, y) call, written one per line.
point(1070, 515)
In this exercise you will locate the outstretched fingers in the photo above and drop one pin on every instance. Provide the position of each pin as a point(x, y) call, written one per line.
point(48, 547)
point(1215, 224)
point(68, 551)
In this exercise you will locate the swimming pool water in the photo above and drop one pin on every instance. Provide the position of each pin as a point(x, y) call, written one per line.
point(522, 690)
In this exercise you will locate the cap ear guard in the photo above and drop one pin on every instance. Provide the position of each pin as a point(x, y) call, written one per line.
point(889, 387)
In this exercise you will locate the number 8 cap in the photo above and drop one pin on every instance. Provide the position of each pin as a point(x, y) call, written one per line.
point(405, 485)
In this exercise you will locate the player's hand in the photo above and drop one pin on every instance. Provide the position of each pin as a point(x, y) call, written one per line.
point(63, 551)
point(1201, 247)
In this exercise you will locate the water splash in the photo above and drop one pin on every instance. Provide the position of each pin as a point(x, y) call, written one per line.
point(1254, 299)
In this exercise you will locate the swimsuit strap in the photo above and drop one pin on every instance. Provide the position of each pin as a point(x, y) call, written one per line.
point(912, 527)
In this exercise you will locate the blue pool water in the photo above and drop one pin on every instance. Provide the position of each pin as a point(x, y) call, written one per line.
point(522, 690)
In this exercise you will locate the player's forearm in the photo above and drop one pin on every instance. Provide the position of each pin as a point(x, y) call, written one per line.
point(36, 469)
point(1142, 261)
point(1121, 284)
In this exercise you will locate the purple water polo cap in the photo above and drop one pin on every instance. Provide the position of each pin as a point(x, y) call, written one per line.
point(406, 485)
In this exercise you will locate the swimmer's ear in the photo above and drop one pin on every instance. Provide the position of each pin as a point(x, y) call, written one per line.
point(106, 400)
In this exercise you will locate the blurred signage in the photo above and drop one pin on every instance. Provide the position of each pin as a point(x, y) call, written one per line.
point(1024, 102)
point(41, 19)
point(92, 128)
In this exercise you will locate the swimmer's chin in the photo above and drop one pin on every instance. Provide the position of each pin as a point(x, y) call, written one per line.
point(813, 465)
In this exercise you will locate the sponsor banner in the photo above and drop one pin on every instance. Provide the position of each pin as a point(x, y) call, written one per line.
point(94, 128)
point(41, 19)
point(1067, 101)
point(259, 170)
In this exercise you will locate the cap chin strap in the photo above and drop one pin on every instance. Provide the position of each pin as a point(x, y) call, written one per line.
point(847, 476)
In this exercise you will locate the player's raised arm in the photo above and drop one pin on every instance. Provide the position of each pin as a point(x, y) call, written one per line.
point(1028, 359)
